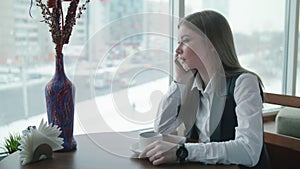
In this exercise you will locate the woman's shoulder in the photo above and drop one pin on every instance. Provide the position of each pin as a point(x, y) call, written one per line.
point(247, 80)
point(247, 75)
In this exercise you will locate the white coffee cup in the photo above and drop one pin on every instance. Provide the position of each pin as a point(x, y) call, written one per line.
point(146, 138)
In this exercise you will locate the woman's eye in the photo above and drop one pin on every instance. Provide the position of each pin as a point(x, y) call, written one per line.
point(185, 41)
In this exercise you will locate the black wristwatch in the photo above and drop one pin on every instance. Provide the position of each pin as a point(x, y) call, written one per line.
point(181, 153)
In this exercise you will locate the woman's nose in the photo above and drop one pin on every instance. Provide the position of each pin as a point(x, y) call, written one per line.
point(178, 49)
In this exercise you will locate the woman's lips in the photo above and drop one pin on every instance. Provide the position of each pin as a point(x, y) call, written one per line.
point(180, 57)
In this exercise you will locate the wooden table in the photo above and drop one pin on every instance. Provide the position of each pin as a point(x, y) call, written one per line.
point(100, 150)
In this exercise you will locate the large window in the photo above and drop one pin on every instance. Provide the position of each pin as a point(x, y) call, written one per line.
point(119, 58)
point(117, 47)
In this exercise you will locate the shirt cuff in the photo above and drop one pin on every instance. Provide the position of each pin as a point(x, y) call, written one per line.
point(174, 92)
point(195, 151)
point(179, 85)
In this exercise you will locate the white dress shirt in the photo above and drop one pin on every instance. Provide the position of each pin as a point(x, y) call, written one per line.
point(246, 147)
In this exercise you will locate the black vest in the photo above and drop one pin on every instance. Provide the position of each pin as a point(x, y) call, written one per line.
point(226, 128)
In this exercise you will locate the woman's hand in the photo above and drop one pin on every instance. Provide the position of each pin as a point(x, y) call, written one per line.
point(182, 73)
point(160, 152)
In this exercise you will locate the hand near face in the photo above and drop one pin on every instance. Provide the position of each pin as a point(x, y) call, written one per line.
point(160, 152)
point(182, 73)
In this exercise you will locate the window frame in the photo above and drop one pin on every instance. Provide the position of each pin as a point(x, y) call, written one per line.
point(290, 47)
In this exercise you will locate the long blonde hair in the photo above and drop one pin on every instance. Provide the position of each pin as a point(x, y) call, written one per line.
point(218, 31)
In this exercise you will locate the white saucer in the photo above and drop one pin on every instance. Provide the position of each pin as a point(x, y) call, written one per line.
point(135, 147)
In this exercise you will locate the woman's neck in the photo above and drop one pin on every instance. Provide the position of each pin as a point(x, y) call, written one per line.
point(205, 78)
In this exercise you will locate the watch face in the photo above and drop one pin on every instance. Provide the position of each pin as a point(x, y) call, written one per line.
point(182, 153)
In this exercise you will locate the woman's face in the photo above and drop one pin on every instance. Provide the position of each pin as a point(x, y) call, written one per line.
point(192, 49)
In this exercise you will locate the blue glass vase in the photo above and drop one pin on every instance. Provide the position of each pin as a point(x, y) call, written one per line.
point(60, 97)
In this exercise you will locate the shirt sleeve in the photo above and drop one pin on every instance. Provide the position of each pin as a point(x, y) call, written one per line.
point(166, 120)
point(246, 148)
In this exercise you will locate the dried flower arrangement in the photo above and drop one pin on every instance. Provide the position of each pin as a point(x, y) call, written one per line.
point(60, 28)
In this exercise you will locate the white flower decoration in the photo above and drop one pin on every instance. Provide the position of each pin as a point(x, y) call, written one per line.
point(38, 144)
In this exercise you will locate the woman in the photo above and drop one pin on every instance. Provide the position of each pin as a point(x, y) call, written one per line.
point(224, 114)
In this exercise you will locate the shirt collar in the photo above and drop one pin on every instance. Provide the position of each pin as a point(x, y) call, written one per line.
point(198, 83)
